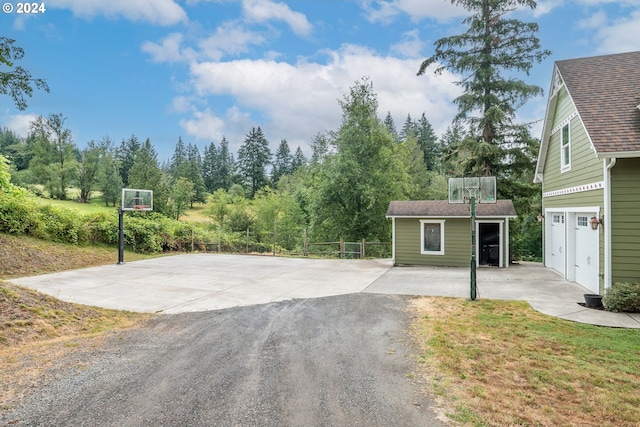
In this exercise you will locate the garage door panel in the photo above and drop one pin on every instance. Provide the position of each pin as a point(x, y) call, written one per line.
point(557, 243)
point(586, 253)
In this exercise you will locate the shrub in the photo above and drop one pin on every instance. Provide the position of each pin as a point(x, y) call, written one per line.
point(63, 225)
point(18, 211)
point(622, 297)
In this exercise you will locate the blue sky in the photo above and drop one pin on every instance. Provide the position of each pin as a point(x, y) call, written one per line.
point(204, 69)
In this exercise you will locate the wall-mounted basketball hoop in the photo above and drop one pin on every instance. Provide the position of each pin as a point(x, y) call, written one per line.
point(132, 200)
point(473, 190)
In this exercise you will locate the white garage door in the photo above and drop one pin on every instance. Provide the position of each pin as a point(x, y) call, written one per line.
point(586, 250)
point(556, 252)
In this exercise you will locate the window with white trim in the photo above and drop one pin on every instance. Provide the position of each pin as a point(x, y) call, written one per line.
point(583, 221)
point(565, 149)
point(432, 237)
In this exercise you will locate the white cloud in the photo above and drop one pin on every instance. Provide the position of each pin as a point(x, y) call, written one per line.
point(411, 45)
point(204, 125)
point(298, 100)
point(230, 38)
point(266, 10)
point(169, 49)
point(385, 11)
point(621, 35)
point(160, 12)
point(597, 20)
point(19, 123)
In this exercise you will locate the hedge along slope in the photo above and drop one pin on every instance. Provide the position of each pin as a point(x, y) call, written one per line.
point(20, 213)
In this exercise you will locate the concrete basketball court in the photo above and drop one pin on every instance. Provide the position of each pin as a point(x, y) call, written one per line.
point(201, 282)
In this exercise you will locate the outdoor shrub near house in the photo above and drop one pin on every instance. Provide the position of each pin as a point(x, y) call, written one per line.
point(622, 296)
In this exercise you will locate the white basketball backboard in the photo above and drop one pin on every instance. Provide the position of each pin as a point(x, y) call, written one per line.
point(482, 188)
point(137, 200)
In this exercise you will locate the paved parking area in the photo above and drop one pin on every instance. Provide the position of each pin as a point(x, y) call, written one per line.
point(200, 282)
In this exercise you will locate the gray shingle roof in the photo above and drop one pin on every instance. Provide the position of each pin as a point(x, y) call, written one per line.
point(606, 92)
point(442, 208)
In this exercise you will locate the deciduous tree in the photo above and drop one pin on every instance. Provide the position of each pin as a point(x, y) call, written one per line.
point(15, 81)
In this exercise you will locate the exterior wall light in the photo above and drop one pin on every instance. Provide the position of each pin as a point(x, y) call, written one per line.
point(540, 217)
point(595, 222)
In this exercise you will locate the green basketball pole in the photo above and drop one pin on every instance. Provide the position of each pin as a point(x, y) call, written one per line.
point(473, 248)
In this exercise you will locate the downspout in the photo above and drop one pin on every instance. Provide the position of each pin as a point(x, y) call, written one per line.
point(607, 221)
point(393, 240)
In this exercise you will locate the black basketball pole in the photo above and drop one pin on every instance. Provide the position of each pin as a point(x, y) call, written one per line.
point(473, 248)
point(120, 235)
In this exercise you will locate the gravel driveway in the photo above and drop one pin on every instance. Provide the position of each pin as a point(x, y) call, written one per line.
point(334, 361)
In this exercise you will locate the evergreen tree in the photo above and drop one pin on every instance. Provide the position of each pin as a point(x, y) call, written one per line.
point(226, 167)
point(178, 164)
point(299, 160)
point(428, 142)
point(494, 45)
point(283, 163)
point(390, 125)
point(253, 157)
point(209, 162)
point(145, 174)
point(409, 129)
point(126, 156)
point(54, 161)
point(194, 174)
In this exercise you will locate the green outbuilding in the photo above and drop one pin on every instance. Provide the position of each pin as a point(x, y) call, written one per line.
point(438, 233)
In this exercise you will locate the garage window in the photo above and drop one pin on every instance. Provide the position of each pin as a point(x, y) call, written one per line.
point(432, 237)
point(582, 221)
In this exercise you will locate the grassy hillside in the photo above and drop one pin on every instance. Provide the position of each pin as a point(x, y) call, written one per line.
point(41, 336)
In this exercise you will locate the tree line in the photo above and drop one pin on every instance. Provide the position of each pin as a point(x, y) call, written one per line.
point(343, 190)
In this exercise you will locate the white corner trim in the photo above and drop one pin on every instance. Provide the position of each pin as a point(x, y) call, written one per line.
point(577, 189)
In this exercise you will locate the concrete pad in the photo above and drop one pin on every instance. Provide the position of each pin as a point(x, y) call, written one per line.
point(201, 282)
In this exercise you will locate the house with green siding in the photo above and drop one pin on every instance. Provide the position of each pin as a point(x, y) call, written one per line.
point(438, 233)
point(589, 168)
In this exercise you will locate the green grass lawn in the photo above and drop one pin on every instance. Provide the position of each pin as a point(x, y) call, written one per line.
point(498, 363)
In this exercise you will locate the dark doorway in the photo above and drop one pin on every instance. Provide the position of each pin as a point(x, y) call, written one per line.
point(489, 240)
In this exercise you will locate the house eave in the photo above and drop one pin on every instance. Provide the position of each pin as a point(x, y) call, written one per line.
point(618, 155)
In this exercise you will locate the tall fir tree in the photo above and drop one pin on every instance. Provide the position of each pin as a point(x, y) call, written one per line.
point(209, 162)
point(126, 156)
point(409, 129)
point(145, 174)
point(178, 165)
point(283, 162)
point(494, 46)
point(299, 159)
point(390, 125)
point(194, 174)
point(253, 157)
point(109, 179)
point(428, 142)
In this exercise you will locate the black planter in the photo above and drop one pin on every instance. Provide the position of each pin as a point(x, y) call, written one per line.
point(593, 300)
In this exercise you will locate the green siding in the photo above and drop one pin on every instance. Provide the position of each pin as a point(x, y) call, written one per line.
point(625, 221)
point(457, 243)
point(585, 167)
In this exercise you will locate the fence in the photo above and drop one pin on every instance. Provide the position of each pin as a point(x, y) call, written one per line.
point(267, 243)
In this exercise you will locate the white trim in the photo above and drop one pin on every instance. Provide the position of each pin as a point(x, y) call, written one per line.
point(506, 243)
point(577, 189)
point(564, 122)
point(619, 155)
point(422, 223)
point(607, 222)
point(393, 241)
point(595, 209)
point(565, 164)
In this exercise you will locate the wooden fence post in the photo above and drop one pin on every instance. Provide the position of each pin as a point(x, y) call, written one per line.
point(275, 223)
point(246, 248)
point(341, 248)
point(219, 245)
point(362, 251)
point(305, 244)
